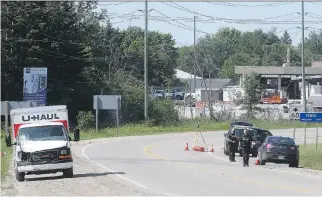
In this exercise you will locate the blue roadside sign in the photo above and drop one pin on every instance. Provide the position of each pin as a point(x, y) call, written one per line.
point(311, 117)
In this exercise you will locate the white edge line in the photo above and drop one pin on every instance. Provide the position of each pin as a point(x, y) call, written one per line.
point(110, 170)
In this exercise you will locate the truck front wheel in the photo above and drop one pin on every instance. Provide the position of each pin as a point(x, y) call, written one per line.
point(20, 176)
point(68, 173)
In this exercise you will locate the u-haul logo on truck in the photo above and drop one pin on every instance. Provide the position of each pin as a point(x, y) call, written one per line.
point(40, 117)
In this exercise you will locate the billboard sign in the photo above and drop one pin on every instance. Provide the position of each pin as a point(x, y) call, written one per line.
point(35, 85)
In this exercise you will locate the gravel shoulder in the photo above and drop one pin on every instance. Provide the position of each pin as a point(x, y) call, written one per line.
point(89, 180)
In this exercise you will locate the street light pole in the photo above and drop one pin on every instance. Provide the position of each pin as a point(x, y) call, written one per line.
point(194, 53)
point(146, 93)
point(302, 62)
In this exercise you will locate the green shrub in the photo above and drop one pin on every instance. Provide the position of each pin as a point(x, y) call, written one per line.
point(162, 112)
point(85, 120)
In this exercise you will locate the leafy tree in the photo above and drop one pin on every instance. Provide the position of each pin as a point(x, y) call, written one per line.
point(46, 34)
point(252, 95)
point(286, 38)
point(162, 112)
point(274, 55)
point(162, 55)
point(185, 60)
point(313, 47)
point(237, 59)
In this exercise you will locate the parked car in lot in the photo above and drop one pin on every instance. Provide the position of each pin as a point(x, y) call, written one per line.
point(278, 149)
point(175, 94)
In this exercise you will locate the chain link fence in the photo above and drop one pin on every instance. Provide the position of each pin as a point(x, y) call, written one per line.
point(229, 111)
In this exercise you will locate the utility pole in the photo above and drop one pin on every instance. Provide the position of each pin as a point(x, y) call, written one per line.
point(194, 53)
point(146, 93)
point(303, 68)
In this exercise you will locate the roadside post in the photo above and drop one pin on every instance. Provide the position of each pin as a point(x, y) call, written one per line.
point(96, 110)
point(118, 101)
point(295, 117)
point(305, 135)
point(311, 117)
point(108, 102)
point(317, 136)
point(294, 129)
point(8, 137)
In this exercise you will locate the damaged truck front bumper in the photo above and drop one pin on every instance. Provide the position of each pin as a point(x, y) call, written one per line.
point(46, 161)
point(46, 167)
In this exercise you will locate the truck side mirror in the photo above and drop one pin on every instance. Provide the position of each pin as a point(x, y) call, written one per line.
point(225, 134)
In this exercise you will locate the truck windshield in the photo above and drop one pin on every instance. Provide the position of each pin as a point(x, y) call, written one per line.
point(42, 133)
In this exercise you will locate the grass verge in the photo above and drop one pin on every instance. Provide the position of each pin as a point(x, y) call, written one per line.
point(6, 158)
point(310, 157)
point(184, 126)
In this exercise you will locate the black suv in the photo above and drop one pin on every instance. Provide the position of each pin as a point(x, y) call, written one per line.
point(258, 136)
point(238, 127)
point(258, 139)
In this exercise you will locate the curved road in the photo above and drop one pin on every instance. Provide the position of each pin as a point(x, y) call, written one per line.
point(159, 163)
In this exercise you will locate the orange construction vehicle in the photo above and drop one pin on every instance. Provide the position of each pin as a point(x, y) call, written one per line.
point(272, 96)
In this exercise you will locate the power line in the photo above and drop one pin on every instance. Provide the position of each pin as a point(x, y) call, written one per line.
point(315, 28)
point(315, 3)
point(314, 14)
point(109, 4)
point(251, 6)
point(285, 22)
point(239, 21)
point(130, 16)
point(236, 21)
point(188, 27)
point(115, 15)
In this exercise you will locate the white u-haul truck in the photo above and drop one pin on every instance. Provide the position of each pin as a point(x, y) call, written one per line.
point(41, 141)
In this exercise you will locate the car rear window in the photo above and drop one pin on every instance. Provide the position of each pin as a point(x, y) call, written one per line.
point(262, 134)
point(281, 140)
point(239, 132)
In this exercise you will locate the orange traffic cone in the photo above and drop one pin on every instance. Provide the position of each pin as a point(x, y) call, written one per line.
point(212, 148)
point(196, 148)
point(186, 148)
point(257, 161)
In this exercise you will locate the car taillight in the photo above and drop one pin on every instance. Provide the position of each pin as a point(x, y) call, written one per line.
point(269, 146)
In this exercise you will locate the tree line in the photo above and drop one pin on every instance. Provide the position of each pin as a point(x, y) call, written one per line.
point(86, 55)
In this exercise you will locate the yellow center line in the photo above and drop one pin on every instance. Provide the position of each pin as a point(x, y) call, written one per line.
point(148, 151)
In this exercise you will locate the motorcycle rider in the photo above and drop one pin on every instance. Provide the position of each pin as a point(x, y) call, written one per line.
point(246, 142)
point(232, 143)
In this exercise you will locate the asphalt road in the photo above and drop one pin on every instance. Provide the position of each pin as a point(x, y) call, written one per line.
point(160, 164)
